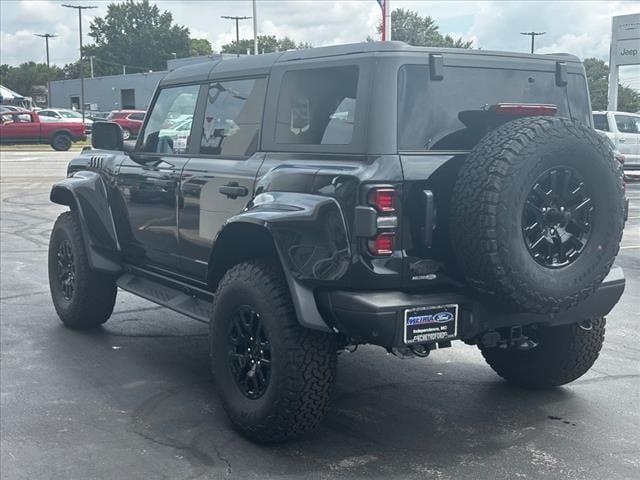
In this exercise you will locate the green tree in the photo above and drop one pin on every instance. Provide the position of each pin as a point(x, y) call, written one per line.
point(24, 77)
point(266, 44)
point(72, 70)
point(598, 80)
point(200, 46)
point(136, 34)
point(407, 26)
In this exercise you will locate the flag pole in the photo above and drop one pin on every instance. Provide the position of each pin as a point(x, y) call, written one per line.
point(384, 20)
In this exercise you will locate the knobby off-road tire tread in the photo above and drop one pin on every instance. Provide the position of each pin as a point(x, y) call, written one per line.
point(477, 203)
point(311, 359)
point(565, 354)
point(95, 296)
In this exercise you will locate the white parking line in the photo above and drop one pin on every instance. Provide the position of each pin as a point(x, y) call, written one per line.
point(629, 247)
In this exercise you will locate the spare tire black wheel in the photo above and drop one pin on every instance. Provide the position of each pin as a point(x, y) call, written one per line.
point(537, 214)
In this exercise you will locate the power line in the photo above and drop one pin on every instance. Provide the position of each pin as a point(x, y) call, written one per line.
point(80, 8)
point(46, 37)
point(237, 30)
point(533, 36)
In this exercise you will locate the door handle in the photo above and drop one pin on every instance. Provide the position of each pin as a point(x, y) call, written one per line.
point(233, 190)
point(622, 140)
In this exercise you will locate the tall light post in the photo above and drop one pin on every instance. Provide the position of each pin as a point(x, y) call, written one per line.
point(533, 36)
point(255, 29)
point(46, 37)
point(237, 30)
point(80, 8)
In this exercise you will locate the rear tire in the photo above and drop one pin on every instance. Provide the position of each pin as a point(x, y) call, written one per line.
point(281, 389)
point(564, 354)
point(82, 297)
point(61, 142)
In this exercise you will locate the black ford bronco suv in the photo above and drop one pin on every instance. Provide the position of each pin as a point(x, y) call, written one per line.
point(305, 202)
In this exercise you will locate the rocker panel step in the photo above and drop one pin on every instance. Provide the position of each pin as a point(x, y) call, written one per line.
point(172, 297)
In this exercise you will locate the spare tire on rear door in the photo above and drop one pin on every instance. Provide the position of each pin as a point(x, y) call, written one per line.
point(537, 214)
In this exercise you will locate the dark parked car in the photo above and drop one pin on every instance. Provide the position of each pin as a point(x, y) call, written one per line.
point(129, 120)
point(373, 193)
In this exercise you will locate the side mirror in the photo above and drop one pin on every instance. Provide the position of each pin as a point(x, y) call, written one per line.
point(106, 136)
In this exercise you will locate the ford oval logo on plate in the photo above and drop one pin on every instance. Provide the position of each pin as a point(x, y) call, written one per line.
point(443, 317)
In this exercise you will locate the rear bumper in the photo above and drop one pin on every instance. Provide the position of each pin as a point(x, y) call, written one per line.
point(377, 317)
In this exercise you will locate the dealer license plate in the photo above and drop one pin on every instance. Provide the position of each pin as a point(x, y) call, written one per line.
point(430, 324)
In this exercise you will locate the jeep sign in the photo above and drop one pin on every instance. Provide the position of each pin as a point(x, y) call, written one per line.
point(625, 50)
point(625, 42)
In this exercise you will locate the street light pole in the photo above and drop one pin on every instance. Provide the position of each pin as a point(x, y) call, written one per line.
point(46, 37)
point(533, 35)
point(80, 8)
point(237, 30)
point(255, 29)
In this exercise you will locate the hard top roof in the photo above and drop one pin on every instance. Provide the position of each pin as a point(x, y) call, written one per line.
point(256, 64)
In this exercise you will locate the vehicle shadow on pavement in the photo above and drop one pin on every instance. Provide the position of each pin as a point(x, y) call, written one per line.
point(404, 417)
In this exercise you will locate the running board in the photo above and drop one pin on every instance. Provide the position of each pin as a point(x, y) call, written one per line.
point(179, 297)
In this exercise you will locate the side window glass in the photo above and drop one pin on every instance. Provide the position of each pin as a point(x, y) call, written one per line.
point(232, 117)
point(317, 106)
point(626, 124)
point(174, 106)
point(600, 122)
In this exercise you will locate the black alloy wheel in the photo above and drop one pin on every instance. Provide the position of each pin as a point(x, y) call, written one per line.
point(557, 217)
point(249, 352)
point(66, 269)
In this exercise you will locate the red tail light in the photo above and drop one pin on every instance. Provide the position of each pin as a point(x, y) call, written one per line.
point(525, 109)
point(382, 244)
point(384, 199)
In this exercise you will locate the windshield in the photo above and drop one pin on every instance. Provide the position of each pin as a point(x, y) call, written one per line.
point(444, 114)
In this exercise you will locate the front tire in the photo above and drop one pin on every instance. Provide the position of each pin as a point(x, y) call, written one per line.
point(275, 378)
point(564, 354)
point(82, 297)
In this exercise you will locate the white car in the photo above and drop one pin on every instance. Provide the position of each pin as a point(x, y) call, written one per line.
point(67, 116)
point(623, 129)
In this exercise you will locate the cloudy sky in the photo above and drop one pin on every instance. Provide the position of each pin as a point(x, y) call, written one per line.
point(579, 27)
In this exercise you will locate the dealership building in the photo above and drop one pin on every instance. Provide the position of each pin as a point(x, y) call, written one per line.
point(118, 92)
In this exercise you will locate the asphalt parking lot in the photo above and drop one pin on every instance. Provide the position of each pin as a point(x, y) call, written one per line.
point(133, 399)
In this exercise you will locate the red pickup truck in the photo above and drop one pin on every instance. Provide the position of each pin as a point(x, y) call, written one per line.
point(27, 127)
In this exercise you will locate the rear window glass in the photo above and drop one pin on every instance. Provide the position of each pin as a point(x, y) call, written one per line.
point(600, 122)
point(443, 115)
point(317, 106)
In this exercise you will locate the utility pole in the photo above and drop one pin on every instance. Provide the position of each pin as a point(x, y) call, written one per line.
point(255, 29)
point(237, 30)
point(533, 36)
point(46, 37)
point(80, 8)
point(91, 64)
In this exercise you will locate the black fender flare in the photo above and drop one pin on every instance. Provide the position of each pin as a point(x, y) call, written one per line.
point(86, 193)
point(310, 237)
